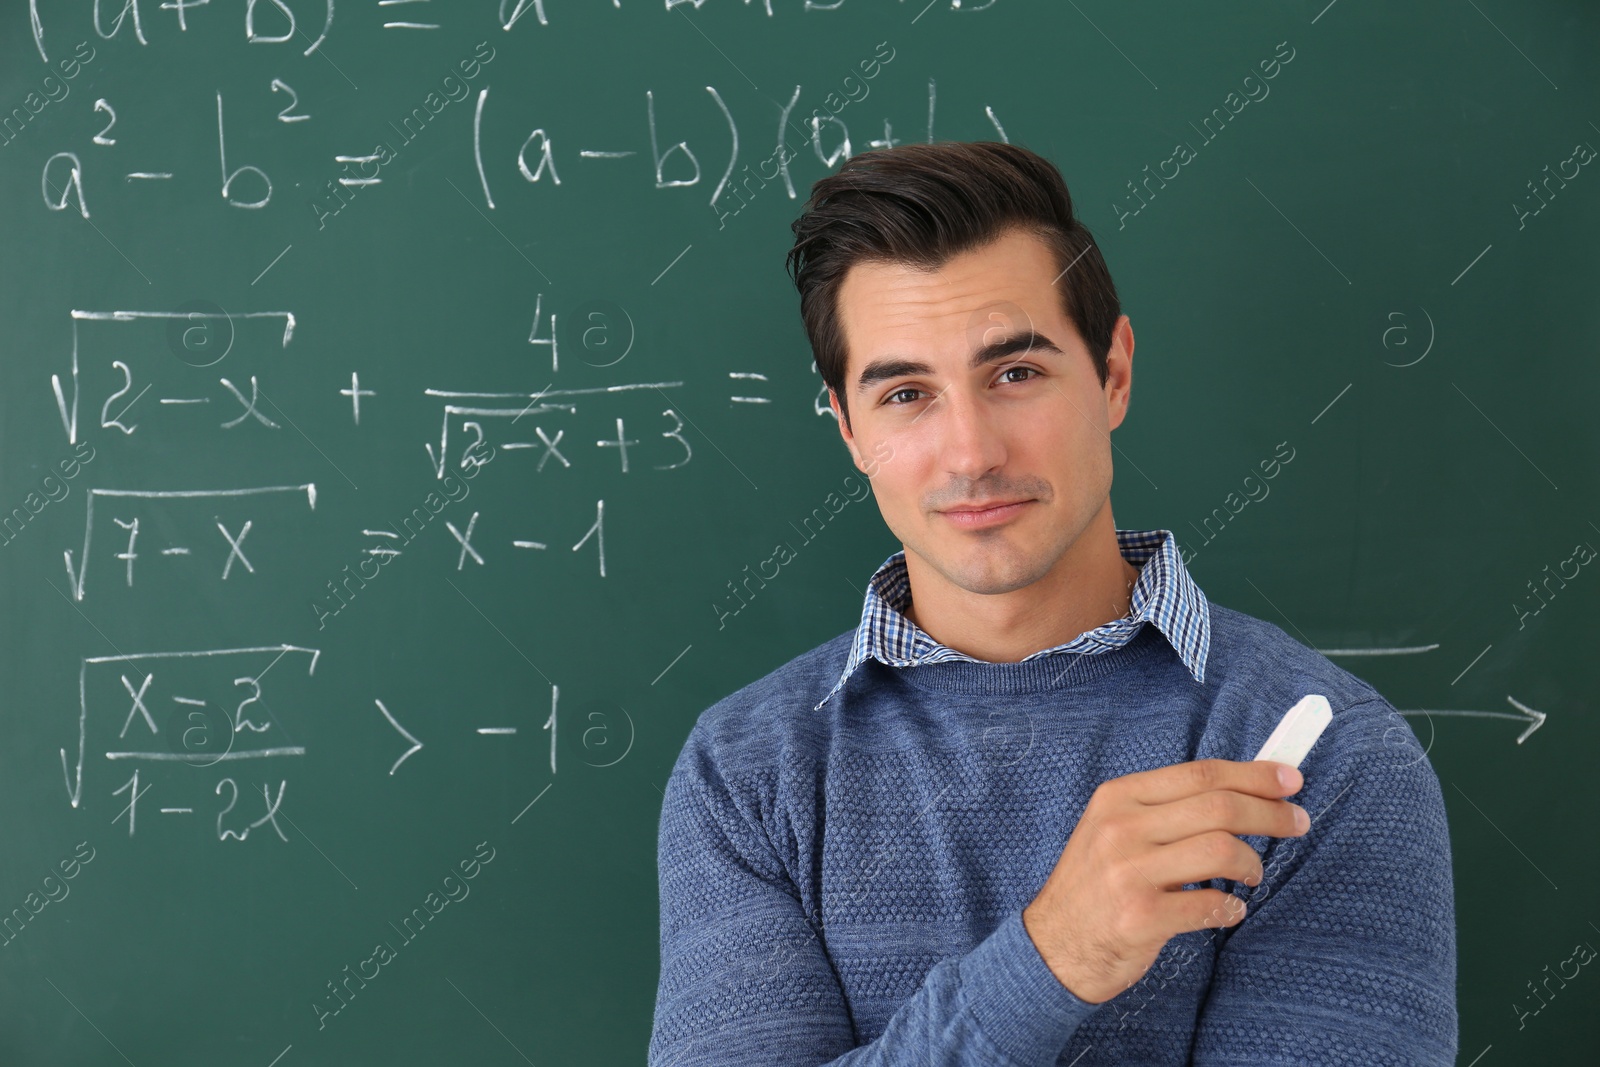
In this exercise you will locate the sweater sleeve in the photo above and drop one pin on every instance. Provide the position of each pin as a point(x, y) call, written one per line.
point(1347, 954)
point(746, 978)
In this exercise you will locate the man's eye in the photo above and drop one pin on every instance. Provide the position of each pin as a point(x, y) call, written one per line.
point(902, 392)
point(1012, 370)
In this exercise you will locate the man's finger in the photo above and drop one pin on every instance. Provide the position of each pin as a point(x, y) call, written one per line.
point(1262, 778)
point(1221, 809)
point(1217, 854)
point(1200, 909)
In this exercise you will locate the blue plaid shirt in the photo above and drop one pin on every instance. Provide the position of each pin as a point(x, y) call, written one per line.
point(1164, 595)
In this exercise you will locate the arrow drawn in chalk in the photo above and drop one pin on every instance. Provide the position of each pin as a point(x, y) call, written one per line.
point(1534, 719)
point(415, 744)
point(1405, 650)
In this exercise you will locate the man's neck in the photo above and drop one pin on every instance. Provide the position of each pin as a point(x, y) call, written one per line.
point(1090, 586)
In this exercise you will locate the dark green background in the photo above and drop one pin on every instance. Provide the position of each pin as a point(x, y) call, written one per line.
point(1260, 282)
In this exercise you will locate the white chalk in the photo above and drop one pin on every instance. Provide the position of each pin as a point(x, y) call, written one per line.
point(1297, 731)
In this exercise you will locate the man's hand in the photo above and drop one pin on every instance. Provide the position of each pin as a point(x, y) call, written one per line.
point(1115, 896)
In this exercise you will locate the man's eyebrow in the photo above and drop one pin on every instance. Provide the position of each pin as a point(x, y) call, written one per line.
point(882, 370)
point(995, 351)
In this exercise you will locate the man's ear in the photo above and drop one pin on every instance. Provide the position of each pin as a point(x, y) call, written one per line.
point(844, 430)
point(1119, 372)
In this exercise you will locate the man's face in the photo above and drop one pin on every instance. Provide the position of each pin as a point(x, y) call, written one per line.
point(1029, 426)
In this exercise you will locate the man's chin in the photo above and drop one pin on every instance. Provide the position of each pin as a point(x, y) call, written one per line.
point(990, 568)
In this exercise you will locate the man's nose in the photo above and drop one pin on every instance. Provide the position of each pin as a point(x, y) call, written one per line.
point(971, 438)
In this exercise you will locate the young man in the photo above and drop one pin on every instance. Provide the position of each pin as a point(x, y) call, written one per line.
point(1013, 817)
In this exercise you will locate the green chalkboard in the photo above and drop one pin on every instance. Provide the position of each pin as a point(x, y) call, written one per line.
point(389, 395)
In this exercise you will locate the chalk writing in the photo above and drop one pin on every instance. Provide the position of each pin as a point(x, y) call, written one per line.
point(186, 748)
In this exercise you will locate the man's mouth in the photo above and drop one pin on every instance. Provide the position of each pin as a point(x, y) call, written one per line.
point(984, 513)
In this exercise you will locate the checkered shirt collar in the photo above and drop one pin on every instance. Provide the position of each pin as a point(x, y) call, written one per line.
point(1164, 595)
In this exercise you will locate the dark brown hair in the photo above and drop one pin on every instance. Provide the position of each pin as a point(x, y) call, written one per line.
point(921, 204)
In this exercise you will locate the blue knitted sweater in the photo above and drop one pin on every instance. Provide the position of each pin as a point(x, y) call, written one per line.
point(846, 885)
